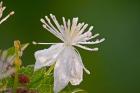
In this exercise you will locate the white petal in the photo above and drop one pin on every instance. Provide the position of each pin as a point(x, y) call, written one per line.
point(76, 74)
point(61, 74)
point(68, 68)
point(79, 56)
point(48, 56)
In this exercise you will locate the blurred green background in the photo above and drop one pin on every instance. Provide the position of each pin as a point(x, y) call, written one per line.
point(115, 68)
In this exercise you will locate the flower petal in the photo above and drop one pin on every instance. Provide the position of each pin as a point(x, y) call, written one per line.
point(48, 56)
point(61, 76)
point(68, 68)
point(75, 67)
point(76, 71)
point(79, 57)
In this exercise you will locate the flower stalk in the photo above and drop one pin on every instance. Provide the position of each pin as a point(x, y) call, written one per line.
point(49, 70)
point(17, 63)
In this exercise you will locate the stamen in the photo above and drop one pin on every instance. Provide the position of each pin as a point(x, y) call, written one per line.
point(4, 19)
point(91, 28)
point(51, 24)
point(86, 70)
point(35, 43)
point(87, 33)
point(74, 23)
point(12, 13)
point(68, 25)
point(103, 39)
point(3, 8)
point(79, 26)
point(1, 4)
point(94, 36)
point(58, 32)
point(73, 32)
point(46, 26)
point(87, 48)
point(43, 21)
point(84, 27)
point(56, 22)
point(93, 42)
point(24, 47)
point(64, 23)
point(65, 26)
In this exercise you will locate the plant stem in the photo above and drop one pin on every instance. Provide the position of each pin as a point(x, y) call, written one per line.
point(50, 70)
point(17, 67)
point(17, 63)
point(15, 80)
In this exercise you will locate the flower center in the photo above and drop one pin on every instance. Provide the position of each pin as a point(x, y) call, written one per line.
point(68, 43)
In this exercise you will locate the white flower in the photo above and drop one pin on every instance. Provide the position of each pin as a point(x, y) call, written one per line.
point(1, 13)
point(67, 60)
point(7, 58)
point(6, 67)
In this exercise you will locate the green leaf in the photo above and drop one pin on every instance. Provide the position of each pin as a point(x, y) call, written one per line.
point(42, 82)
point(45, 88)
point(38, 79)
point(28, 70)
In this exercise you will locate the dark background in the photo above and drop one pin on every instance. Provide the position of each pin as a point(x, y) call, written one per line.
point(115, 68)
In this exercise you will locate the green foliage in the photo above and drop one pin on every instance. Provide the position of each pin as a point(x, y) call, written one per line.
point(37, 78)
point(40, 81)
point(43, 82)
